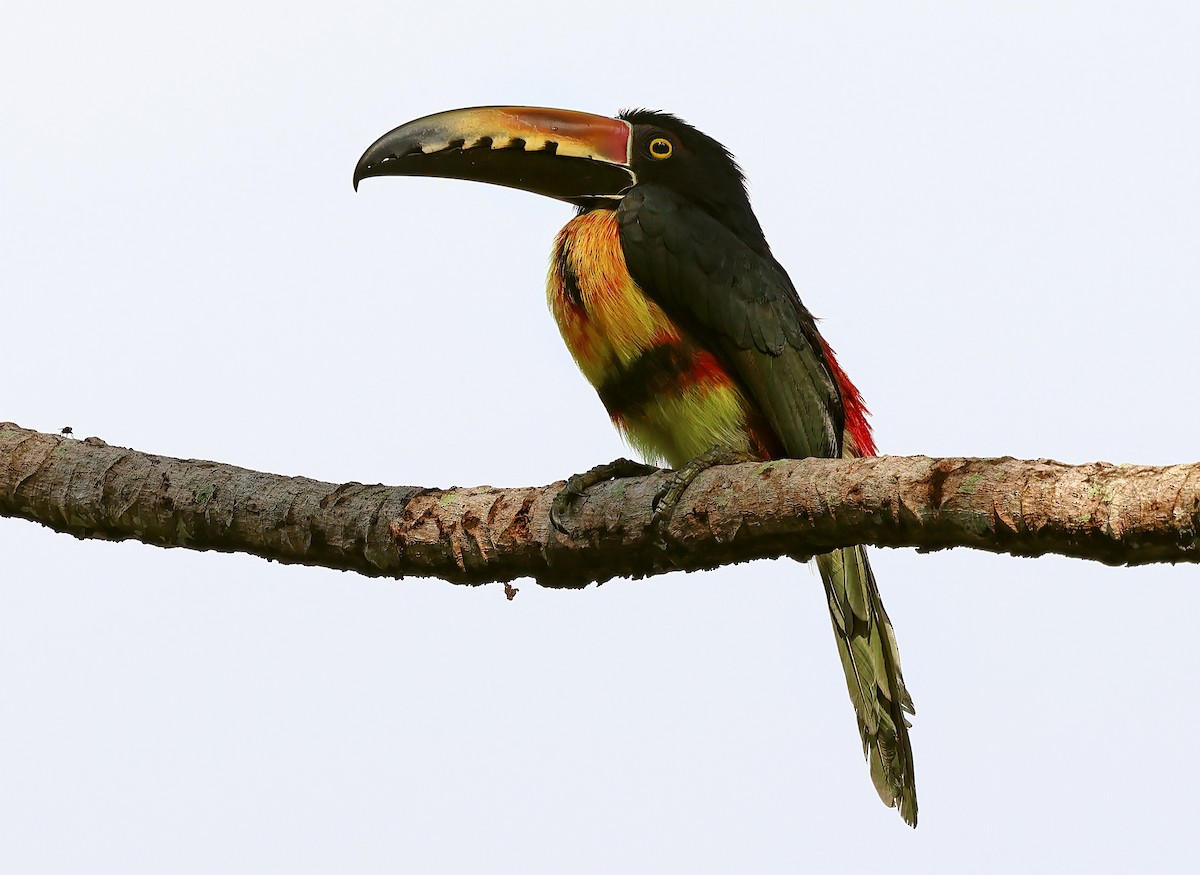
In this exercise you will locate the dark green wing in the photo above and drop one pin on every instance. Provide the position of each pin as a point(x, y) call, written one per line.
point(742, 307)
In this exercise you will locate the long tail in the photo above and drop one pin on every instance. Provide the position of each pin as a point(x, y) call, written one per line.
point(867, 645)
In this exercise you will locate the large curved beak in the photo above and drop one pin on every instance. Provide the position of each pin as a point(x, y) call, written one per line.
point(572, 156)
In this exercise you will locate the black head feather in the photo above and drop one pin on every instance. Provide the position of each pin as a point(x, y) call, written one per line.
point(697, 167)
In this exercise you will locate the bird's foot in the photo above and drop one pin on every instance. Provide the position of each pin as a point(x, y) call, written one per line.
point(578, 486)
point(667, 500)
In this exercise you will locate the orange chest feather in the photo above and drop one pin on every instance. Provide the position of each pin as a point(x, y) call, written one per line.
point(605, 319)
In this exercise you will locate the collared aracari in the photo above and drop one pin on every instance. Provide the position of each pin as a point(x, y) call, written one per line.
point(671, 303)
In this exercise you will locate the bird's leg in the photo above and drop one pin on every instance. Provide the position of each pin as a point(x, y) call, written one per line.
point(668, 499)
point(578, 485)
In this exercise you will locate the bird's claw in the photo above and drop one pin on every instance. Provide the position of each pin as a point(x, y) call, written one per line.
point(578, 485)
point(667, 500)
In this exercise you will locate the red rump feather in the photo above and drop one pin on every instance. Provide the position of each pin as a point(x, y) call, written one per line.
point(857, 427)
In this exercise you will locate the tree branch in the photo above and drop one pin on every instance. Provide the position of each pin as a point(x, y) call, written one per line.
point(1118, 515)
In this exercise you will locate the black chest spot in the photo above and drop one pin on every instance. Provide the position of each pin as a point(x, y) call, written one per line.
point(570, 279)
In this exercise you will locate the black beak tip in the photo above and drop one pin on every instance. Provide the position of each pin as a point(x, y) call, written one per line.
point(370, 165)
point(367, 166)
point(360, 173)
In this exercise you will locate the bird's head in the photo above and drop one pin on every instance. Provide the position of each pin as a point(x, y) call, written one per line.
point(589, 160)
point(665, 150)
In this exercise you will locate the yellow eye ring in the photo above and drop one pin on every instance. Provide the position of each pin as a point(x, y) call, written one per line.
point(660, 147)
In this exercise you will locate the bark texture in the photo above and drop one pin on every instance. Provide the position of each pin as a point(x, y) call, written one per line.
point(1118, 515)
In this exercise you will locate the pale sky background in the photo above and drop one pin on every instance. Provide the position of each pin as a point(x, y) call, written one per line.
point(995, 207)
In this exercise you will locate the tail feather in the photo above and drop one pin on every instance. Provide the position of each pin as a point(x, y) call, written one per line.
point(871, 660)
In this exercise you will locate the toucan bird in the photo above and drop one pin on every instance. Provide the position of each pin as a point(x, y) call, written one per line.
point(670, 301)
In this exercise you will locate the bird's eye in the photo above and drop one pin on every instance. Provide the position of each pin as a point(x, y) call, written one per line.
point(660, 147)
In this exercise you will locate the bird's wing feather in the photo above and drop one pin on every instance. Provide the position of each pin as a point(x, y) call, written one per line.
point(742, 306)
